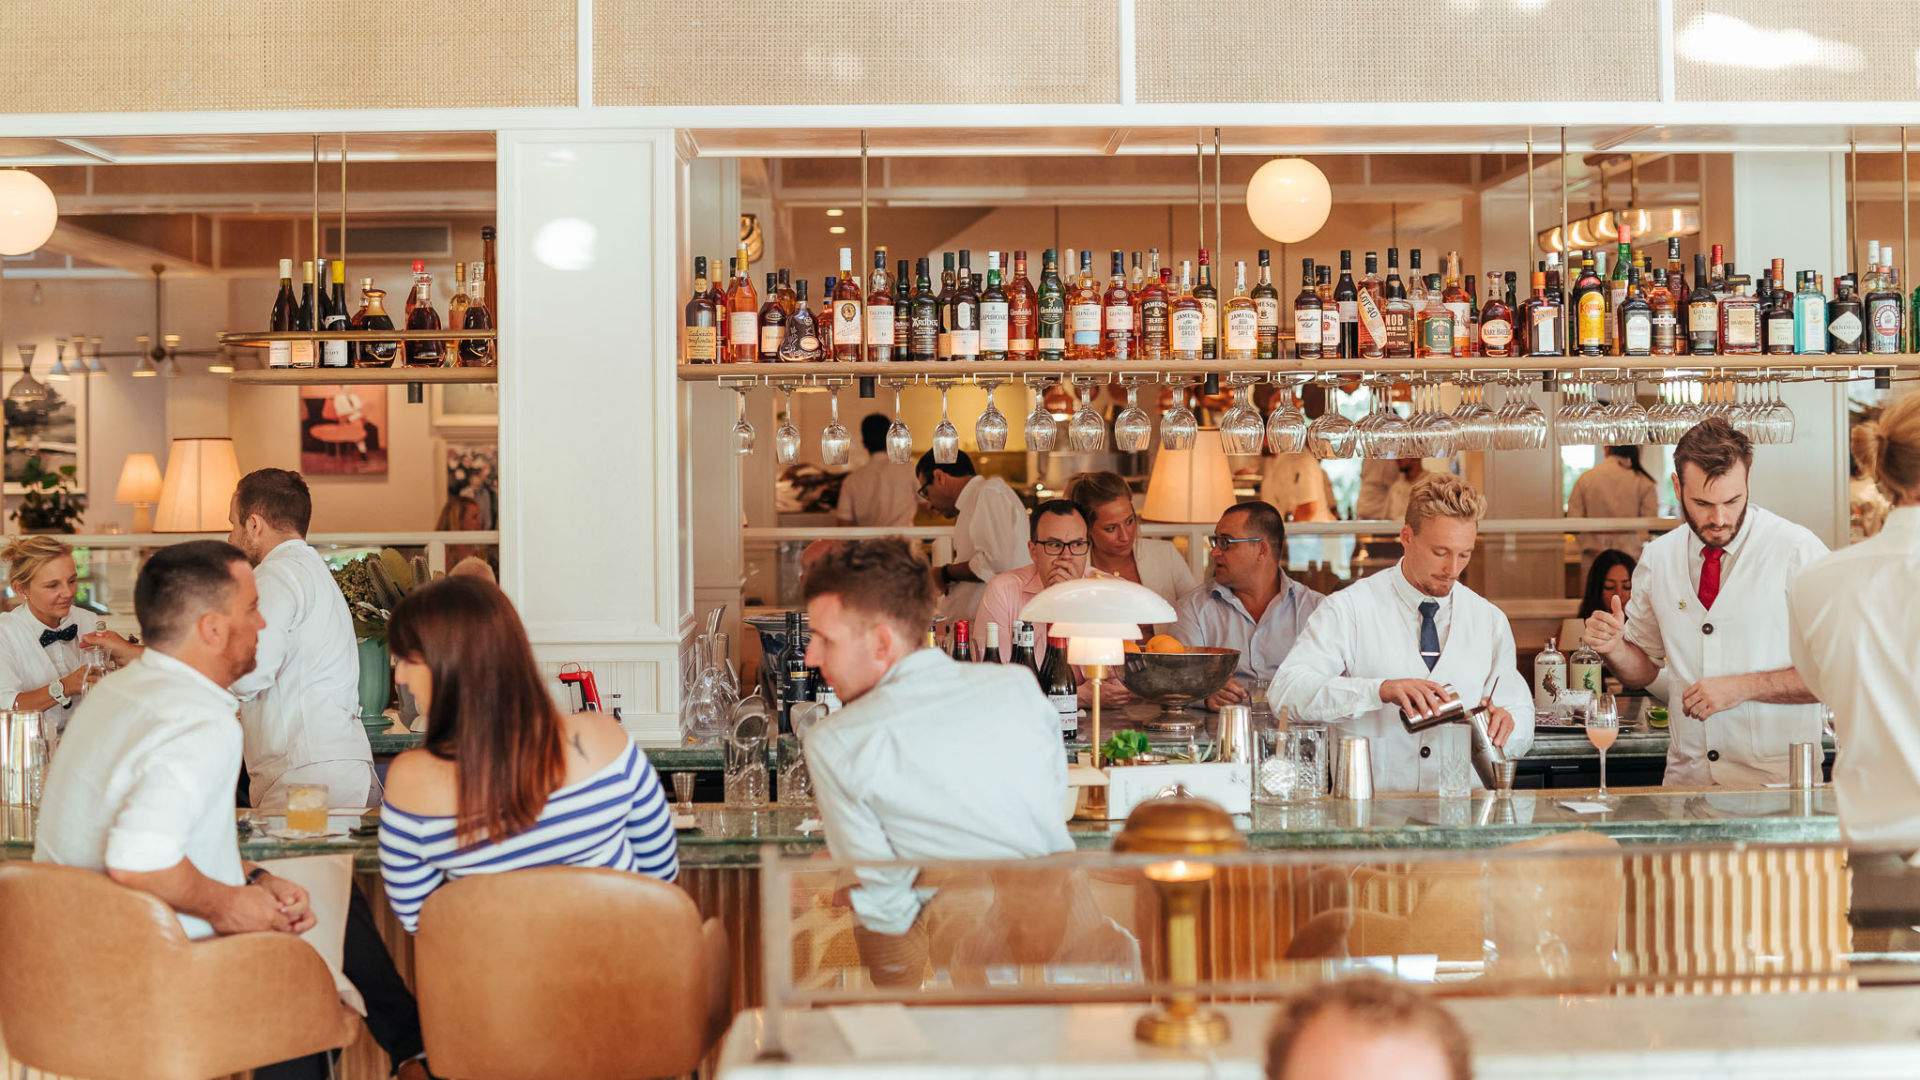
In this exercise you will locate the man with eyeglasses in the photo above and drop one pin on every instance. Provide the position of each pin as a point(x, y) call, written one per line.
point(989, 528)
point(1251, 604)
point(1058, 547)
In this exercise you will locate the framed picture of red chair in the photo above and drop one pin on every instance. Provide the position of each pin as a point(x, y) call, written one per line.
point(343, 430)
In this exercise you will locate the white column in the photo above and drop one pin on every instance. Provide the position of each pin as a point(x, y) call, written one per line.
point(594, 531)
point(711, 188)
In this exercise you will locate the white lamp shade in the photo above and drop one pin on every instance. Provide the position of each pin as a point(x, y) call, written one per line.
point(27, 212)
point(201, 476)
point(140, 481)
point(1082, 651)
point(1114, 601)
point(1288, 199)
point(1192, 486)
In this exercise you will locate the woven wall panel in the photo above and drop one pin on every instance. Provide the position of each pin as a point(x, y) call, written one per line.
point(121, 56)
point(1844, 50)
point(1334, 50)
point(834, 52)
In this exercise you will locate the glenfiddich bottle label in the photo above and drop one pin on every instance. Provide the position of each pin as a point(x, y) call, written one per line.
point(1053, 325)
point(702, 343)
point(1267, 309)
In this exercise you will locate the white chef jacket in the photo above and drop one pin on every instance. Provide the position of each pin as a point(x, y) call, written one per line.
point(300, 705)
point(940, 760)
point(989, 535)
point(144, 778)
point(878, 493)
point(1368, 633)
point(1745, 632)
point(26, 665)
point(1856, 641)
point(1613, 489)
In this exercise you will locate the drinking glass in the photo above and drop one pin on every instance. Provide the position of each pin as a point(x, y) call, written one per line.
point(1290, 763)
point(795, 783)
point(1087, 431)
point(1523, 425)
point(683, 792)
point(1331, 435)
point(1433, 433)
point(1287, 426)
point(946, 437)
point(1777, 417)
point(1603, 727)
point(1475, 422)
point(1133, 428)
point(990, 430)
point(899, 438)
point(786, 438)
point(306, 809)
point(742, 431)
point(835, 441)
point(1042, 430)
point(1242, 429)
point(1381, 433)
point(1178, 426)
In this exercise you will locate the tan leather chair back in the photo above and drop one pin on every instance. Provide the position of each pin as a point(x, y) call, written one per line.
point(568, 971)
point(98, 980)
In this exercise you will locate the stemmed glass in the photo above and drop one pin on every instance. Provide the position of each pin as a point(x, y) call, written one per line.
point(1242, 430)
point(1522, 425)
point(835, 441)
point(1178, 426)
point(1433, 432)
point(1042, 430)
point(899, 437)
point(1331, 435)
point(1603, 727)
point(946, 437)
point(743, 434)
point(1087, 431)
point(1776, 418)
point(1381, 433)
point(990, 430)
point(1287, 426)
point(1476, 423)
point(1133, 428)
point(786, 437)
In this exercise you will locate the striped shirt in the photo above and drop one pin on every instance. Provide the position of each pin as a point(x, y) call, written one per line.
point(618, 818)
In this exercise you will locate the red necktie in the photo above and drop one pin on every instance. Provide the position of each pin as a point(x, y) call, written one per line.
point(1710, 576)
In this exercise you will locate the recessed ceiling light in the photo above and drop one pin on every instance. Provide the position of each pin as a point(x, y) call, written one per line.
point(836, 230)
point(836, 212)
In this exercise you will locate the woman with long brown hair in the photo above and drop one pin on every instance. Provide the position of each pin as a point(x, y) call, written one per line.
point(504, 780)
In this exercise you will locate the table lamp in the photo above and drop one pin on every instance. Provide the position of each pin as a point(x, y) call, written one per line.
point(1193, 486)
point(1096, 617)
point(139, 488)
point(1185, 830)
point(195, 497)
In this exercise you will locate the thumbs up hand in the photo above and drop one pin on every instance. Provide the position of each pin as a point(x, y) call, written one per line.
point(1605, 628)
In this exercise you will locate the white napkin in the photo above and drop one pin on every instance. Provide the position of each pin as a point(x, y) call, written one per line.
point(328, 880)
point(1580, 807)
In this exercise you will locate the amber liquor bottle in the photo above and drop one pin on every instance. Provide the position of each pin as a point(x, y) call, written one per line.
point(477, 352)
point(700, 337)
point(489, 272)
point(802, 343)
point(1666, 322)
point(1776, 316)
point(1187, 320)
point(743, 314)
point(1023, 313)
point(849, 325)
point(1433, 328)
point(456, 305)
point(1330, 327)
point(1459, 304)
point(1739, 317)
point(1306, 316)
point(773, 322)
point(783, 290)
point(876, 333)
point(1397, 307)
point(1154, 312)
point(1544, 320)
point(1496, 324)
point(1209, 300)
point(378, 354)
point(1677, 285)
point(429, 353)
point(1590, 311)
point(1084, 310)
point(1118, 302)
point(1371, 319)
point(1266, 306)
point(1703, 313)
point(1243, 319)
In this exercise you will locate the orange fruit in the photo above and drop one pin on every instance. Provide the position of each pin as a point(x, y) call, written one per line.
point(1130, 646)
point(1164, 643)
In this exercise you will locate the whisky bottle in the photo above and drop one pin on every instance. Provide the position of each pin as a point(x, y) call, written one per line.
point(717, 290)
point(456, 307)
point(801, 344)
point(848, 323)
point(1459, 305)
point(1150, 276)
point(1677, 285)
point(1739, 317)
point(337, 354)
point(1703, 312)
point(1188, 320)
point(1371, 320)
point(359, 320)
point(743, 314)
point(1433, 331)
point(924, 336)
point(879, 327)
point(478, 352)
point(1154, 312)
point(963, 323)
point(424, 317)
point(285, 314)
point(995, 316)
point(1209, 300)
point(902, 310)
point(1496, 325)
point(377, 354)
point(945, 299)
point(1266, 307)
point(490, 272)
point(1023, 313)
point(1052, 308)
point(1307, 333)
point(1885, 330)
point(1118, 304)
point(1473, 318)
point(1346, 300)
point(1845, 326)
point(1809, 317)
point(1666, 321)
point(1417, 286)
point(1776, 330)
point(773, 322)
point(1243, 318)
point(303, 355)
point(1635, 317)
point(1397, 307)
point(1545, 320)
point(1330, 326)
point(1084, 308)
point(783, 289)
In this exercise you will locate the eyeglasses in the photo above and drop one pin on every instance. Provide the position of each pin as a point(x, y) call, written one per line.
point(1225, 543)
point(1059, 547)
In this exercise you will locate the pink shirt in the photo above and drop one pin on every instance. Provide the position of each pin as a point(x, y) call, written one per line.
point(1006, 594)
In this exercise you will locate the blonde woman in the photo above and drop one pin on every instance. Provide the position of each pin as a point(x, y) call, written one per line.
point(42, 666)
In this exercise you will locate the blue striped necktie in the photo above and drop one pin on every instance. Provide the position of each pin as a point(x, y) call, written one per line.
point(1429, 633)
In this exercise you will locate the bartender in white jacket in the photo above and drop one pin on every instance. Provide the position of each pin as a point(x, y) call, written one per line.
point(1391, 641)
point(1710, 605)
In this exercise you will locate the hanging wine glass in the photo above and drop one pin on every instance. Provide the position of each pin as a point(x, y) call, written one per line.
point(946, 437)
point(835, 441)
point(1178, 425)
point(1087, 431)
point(899, 438)
point(786, 438)
point(1287, 427)
point(1242, 429)
point(1381, 433)
point(742, 431)
point(1133, 428)
point(1331, 434)
point(990, 430)
point(1041, 429)
point(1477, 424)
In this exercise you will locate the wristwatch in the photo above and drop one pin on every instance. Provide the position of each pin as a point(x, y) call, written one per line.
point(254, 875)
point(59, 694)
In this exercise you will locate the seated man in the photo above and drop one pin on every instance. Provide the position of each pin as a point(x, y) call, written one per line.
point(1059, 547)
point(929, 759)
point(142, 787)
point(1251, 604)
point(1364, 1028)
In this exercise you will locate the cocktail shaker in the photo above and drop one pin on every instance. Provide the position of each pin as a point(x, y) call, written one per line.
point(1236, 735)
point(1353, 768)
point(1455, 711)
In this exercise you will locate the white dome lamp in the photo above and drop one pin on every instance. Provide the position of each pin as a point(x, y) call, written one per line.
point(1289, 199)
point(27, 212)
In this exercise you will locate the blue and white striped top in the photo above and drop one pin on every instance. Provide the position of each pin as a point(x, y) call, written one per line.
point(618, 818)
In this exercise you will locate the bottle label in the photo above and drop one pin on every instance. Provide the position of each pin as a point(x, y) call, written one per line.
point(1267, 309)
point(880, 325)
point(1086, 324)
point(771, 335)
point(1883, 317)
point(743, 328)
point(1810, 332)
point(1593, 321)
point(1120, 317)
point(1306, 326)
point(1702, 316)
point(902, 330)
point(1549, 679)
point(301, 353)
point(1436, 334)
point(1153, 326)
point(1462, 313)
point(1496, 334)
point(1209, 318)
point(1637, 335)
point(1845, 328)
point(1330, 319)
point(1243, 330)
point(966, 342)
point(1742, 326)
point(926, 336)
point(1053, 323)
point(1349, 310)
point(1373, 325)
point(334, 353)
point(1666, 333)
point(1545, 334)
point(993, 326)
point(1584, 677)
point(846, 322)
point(1187, 334)
point(1068, 706)
point(1780, 329)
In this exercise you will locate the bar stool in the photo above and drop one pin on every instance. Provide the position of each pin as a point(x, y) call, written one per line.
point(582, 972)
point(98, 980)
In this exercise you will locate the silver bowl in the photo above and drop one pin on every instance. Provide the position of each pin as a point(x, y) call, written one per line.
point(1175, 681)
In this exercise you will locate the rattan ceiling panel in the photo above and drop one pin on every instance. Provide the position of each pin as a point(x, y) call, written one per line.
point(865, 52)
point(177, 55)
point(1842, 50)
point(1335, 50)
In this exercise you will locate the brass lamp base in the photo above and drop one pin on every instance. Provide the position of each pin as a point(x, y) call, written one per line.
point(1181, 1029)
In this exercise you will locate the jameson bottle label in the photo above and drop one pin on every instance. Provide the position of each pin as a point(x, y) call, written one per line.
point(1187, 326)
point(1267, 311)
point(1243, 330)
point(1153, 324)
point(1666, 333)
point(1053, 325)
point(1209, 324)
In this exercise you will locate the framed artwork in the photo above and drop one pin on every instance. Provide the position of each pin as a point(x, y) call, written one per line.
point(54, 429)
point(473, 472)
point(463, 408)
point(343, 430)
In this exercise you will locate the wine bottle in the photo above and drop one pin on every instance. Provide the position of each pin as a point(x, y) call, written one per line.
point(286, 311)
point(1056, 681)
point(335, 354)
point(962, 648)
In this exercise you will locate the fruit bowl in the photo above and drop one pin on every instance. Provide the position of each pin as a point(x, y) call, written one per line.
point(1175, 681)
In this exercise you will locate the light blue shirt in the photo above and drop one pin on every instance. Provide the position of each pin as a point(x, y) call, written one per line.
point(1212, 615)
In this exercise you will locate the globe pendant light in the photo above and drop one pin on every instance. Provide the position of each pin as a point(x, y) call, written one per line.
point(1289, 199)
point(27, 212)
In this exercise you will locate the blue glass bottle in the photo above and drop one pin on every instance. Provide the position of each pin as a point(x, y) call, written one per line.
point(1809, 317)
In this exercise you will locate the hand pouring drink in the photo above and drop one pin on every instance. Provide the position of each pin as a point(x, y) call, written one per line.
point(1455, 711)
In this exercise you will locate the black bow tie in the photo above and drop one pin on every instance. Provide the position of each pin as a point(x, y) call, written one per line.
point(48, 637)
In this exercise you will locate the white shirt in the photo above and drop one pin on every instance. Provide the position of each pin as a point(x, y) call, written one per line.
point(940, 760)
point(1162, 568)
point(1289, 481)
point(26, 665)
point(1214, 616)
point(301, 703)
point(1856, 642)
point(1745, 632)
point(878, 493)
point(144, 778)
point(989, 535)
point(1613, 489)
point(1368, 633)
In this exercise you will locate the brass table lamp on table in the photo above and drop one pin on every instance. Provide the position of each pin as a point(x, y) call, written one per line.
point(1184, 829)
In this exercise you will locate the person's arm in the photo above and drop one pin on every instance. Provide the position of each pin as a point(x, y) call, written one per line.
point(1627, 638)
point(999, 534)
point(1511, 694)
point(124, 652)
point(408, 876)
point(650, 832)
point(884, 901)
point(40, 699)
point(229, 909)
point(1717, 694)
point(278, 604)
point(843, 510)
point(1313, 680)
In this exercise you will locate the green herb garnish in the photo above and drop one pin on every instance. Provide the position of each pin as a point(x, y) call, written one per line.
point(1125, 746)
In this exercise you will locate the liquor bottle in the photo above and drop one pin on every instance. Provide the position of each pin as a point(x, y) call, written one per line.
point(1718, 273)
point(773, 322)
point(476, 352)
point(1739, 317)
point(1188, 321)
point(849, 325)
point(700, 333)
point(783, 290)
point(1809, 317)
point(337, 354)
point(1677, 285)
point(717, 289)
point(1590, 311)
point(423, 317)
point(1635, 316)
point(1544, 321)
point(1868, 280)
point(489, 272)
point(801, 344)
point(1584, 667)
point(962, 648)
point(823, 321)
point(1306, 316)
point(1330, 331)
point(1346, 301)
point(1913, 321)
point(1556, 286)
point(1398, 309)
point(1885, 332)
point(790, 670)
point(963, 323)
point(1266, 308)
point(1473, 318)
point(301, 354)
point(994, 334)
point(1056, 681)
point(1053, 309)
point(1148, 276)
point(285, 316)
point(413, 290)
point(359, 320)
point(924, 338)
point(991, 654)
point(1209, 298)
point(456, 308)
point(1666, 321)
point(879, 312)
point(1549, 678)
point(902, 310)
point(1242, 338)
point(1022, 653)
point(1118, 302)
point(1617, 286)
point(1777, 323)
point(378, 354)
point(1084, 309)
point(1846, 324)
point(1154, 312)
point(1433, 329)
point(1370, 319)
point(1496, 325)
point(1023, 313)
point(1703, 312)
point(743, 314)
point(945, 298)
point(1459, 304)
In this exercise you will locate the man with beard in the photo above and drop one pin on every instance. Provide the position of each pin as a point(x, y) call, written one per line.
point(1710, 605)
